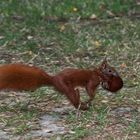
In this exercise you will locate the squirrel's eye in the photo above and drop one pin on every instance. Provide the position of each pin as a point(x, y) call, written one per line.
point(109, 71)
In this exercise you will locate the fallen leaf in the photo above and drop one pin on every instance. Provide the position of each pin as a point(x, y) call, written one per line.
point(93, 16)
point(29, 37)
point(62, 28)
point(75, 9)
point(110, 14)
point(123, 65)
point(97, 44)
point(30, 53)
point(2, 37)
point(104, 101)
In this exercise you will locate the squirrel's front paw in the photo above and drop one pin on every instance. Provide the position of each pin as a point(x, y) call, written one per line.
point(83, 106)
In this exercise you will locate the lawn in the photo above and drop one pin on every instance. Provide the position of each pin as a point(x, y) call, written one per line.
point(77, 34)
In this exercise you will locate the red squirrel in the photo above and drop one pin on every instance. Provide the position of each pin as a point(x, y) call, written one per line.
point(23, 77)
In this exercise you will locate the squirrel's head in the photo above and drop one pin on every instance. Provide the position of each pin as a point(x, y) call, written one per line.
point(107, 70)
point(111, 80)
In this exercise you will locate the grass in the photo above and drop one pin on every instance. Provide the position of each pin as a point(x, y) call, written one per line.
point(20, 29)
point(30, 32)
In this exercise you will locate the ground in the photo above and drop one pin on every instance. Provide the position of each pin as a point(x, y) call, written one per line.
point(77, 35)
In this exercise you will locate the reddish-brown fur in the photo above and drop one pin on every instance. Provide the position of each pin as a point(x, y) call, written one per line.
point(23, 77)
point(68, 79)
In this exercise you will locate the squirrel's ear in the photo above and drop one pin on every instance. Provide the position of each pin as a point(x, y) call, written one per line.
point(104, 63)
point(105, 60)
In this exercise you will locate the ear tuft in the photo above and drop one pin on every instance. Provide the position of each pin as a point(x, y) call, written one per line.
point(104, 63)
point(105, 60)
